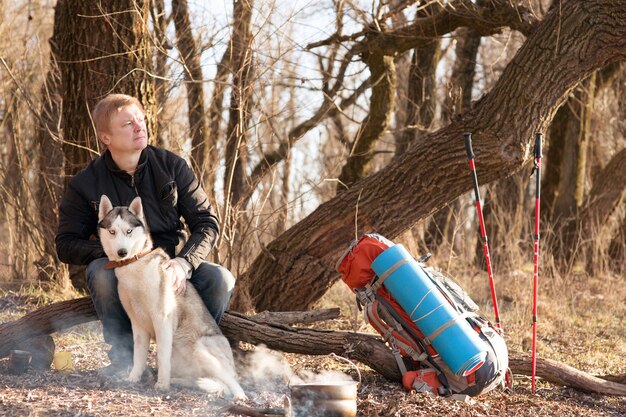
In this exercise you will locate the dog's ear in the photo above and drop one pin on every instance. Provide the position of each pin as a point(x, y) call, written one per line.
point(136, 208)
point(105, 207)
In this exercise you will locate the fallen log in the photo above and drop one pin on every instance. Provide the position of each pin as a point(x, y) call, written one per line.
point(365, 348)
point(46, 320)
point(63, 315)
point(296, 317)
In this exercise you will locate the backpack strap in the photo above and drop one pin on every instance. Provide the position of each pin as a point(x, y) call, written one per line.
point(431, 337)
point(398, 342)
point(379, 282)
point(399, 335)
point(428, 361)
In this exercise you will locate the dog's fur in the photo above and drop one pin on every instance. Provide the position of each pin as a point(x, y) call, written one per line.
point(191, 349)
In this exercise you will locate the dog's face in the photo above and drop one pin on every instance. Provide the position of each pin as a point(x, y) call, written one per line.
point(122, 230)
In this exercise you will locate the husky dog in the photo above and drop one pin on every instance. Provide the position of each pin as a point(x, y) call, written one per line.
point(191, 349)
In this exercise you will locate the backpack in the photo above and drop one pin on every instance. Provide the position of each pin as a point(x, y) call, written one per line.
point(440, 341)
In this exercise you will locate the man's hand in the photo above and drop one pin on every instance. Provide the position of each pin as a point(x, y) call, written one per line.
point(177, 274)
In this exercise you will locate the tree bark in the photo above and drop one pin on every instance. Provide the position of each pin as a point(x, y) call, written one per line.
point(607, 194)
point(14, 194)
point(50, 180)
point(161, 91)
point(296, 317)
point(486, 19)
point(569, 143)
point(215, 120)
point(104, 47)
point(458, 99)
point(195, 90)
point(368, 349)
point(238, 115)
point(568, 132)
point(383, 77)
point(434, 171)
point(422, 101)
point(617, 249)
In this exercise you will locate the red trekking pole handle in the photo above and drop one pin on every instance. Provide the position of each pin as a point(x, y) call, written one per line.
point(483, 232)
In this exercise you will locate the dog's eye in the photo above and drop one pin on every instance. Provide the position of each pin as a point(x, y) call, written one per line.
point(112, 232)
point(129, 231)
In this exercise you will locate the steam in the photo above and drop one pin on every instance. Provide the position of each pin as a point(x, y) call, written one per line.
point(324, 377)
point(268, 370)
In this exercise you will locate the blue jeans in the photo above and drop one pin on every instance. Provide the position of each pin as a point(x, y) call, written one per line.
point(214, 283)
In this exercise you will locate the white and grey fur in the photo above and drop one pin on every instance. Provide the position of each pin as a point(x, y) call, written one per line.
point(191, 349)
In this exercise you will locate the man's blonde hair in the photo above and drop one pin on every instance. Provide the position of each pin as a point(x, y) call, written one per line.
point(106, 107)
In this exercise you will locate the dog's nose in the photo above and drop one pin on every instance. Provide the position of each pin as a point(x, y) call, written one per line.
point(122, 252)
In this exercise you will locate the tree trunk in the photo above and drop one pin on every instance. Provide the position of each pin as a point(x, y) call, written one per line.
point(383, 76)
point(458, 99)
point(403, 64)
point(569, 132)
point(366, 348)
point(422, 100)
point(215, 120)
point(236, 143)
point(104, 47)
point(160, 23)
point(434, 171)
point(563, 185)
point(50, 180)
point(607, 194)
point(195, 90)
point(617, 249)
point(14, 195)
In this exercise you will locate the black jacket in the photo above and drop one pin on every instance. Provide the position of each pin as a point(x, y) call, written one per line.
point(168, 190)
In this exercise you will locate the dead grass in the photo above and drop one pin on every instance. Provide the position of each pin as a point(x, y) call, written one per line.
point(581, 324)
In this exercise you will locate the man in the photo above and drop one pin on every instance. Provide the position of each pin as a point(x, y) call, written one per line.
point(169, 190)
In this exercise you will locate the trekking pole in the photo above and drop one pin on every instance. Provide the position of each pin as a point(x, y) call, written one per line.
point(537, 171)
point(483, 233)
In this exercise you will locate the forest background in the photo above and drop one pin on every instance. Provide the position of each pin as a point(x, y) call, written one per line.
point(310, 123)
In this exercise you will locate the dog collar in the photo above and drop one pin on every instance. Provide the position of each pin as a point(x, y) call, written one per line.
point(117, 264)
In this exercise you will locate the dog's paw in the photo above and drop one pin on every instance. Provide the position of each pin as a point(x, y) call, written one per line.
point(211, 386)
point(240, 396)
point(162, 386)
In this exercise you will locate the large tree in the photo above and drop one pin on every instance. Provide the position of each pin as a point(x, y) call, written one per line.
point(104, 47)
point(190, 57)
point(564, 48)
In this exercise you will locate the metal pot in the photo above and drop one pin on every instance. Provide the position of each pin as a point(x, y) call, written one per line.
point(334, 399)
point(19, 360)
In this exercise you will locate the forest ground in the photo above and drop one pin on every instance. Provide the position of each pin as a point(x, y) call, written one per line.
point(581, 323)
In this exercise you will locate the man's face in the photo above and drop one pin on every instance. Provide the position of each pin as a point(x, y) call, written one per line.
point(127, 131)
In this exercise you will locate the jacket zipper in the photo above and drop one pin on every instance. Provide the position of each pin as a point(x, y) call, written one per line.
point(132, 184)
